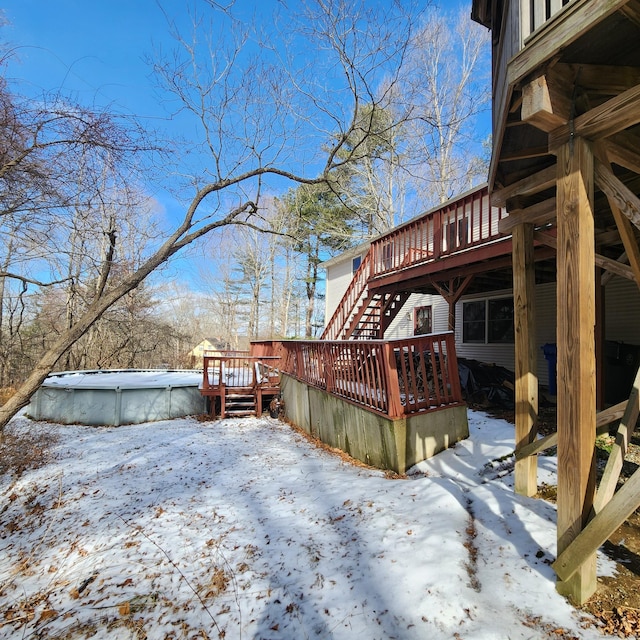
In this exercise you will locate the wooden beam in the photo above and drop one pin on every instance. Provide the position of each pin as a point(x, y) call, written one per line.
point(526, 153)
point(632, 13)
point(539, 213)
point(624, 225)
point(572, 559)
point(526, 383)
point(576, 357)
point(619, 449)
point(607, 119)
point(600, 79)
point(601, 261)
point(603, 420)
point(578, 18)
point(623, 150)
point(615, 267)
point(546, 101)
point(530, 185)
point(616, 191)
point(605, 278)
point(452, 294)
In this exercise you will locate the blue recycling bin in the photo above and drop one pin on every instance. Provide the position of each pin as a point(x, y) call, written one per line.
point(550, 351)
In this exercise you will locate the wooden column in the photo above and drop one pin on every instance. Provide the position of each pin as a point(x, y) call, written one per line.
point(600, 338)
point(526, 389)
point(452, 294)
point(576, 357)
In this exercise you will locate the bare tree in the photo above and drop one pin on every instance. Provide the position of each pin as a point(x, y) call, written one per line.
point(252, 105)
point(446, 83)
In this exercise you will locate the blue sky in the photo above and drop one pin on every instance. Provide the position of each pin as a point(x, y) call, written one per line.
point(97, 52)
point(93, 50)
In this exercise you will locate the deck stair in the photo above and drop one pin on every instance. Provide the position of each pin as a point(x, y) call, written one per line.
point(362, 314)
point(239, 384)
point(239, 402)
point(354, 302)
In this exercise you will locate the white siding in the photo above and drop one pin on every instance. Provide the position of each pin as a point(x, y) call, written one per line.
point(402, 324)
point(339, 277)
point(622, 315)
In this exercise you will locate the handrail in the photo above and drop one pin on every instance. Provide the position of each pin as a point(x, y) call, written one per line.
point(238, 370)
point(536, 13)
point(456, 226)
point(352, 296)
point(396, 378)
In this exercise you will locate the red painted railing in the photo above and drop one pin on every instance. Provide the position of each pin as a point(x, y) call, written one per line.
point(352, 297)
point(458, 225)
point(393, 377)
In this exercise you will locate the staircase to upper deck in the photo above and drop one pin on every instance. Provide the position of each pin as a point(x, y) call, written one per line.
point(455, 233)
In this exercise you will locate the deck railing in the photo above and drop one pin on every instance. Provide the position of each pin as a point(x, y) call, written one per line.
point(238, 369)
point(395, 378)
point(352, 296)
point(458, 225)
point(536, 12)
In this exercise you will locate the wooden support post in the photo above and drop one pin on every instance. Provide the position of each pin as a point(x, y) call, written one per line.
point(452, 294)
point(526, 389)
point(576, 357)
point(600, 338)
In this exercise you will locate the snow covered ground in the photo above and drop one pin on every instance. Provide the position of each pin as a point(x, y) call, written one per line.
point(244, 529)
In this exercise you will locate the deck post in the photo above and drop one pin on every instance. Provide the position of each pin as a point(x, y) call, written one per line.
point(526, 387)
point(576, 358)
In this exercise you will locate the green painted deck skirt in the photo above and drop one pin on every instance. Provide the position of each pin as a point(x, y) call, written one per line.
point(395, 444)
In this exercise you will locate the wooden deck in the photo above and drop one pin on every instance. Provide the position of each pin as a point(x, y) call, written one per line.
point(566, 114)
point(394, 378)
point(239, 384)
point(461, 246)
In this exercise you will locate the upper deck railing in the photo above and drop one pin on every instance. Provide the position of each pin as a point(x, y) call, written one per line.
point(465, 223)
point(521, 19)
point(536, 12)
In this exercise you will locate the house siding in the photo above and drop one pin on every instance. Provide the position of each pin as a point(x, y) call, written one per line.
point(622, 310)
point(339, 276)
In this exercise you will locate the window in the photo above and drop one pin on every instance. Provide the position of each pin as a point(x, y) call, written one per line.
point(473, 322)
point(355, 264)
point(422, 320)
point(488, 321)
point(500, 320)
point(387, 256)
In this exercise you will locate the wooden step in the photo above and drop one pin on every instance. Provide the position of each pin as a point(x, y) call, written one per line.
point(240, 404)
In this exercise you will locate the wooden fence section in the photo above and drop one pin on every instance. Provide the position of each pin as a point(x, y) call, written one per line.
point(467, 222)
point(393, 377)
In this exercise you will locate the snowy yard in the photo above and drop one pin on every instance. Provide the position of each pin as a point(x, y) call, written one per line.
point(244, 529)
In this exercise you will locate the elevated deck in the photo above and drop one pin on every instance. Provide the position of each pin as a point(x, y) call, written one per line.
point(463, 245)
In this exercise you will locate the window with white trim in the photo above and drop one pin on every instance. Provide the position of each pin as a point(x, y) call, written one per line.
point(488, 321)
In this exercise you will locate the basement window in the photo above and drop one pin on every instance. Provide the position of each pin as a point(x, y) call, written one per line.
point(488, 321)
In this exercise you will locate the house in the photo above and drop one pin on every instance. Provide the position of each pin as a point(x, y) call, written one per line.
point(211, 346)
point(555, 229)
point(483, 318)
point(565, 165)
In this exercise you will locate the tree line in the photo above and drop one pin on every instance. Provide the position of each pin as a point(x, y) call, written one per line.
point(285, 171)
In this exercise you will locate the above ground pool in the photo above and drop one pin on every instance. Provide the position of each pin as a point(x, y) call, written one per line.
point(117, 397)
